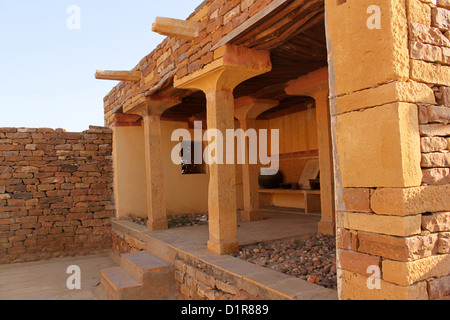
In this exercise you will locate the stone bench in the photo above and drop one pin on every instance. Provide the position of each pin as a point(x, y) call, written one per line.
point(311, 197)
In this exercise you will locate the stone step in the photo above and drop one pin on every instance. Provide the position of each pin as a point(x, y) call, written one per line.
point(140, 265)
point(157, 276)
point(120, 285)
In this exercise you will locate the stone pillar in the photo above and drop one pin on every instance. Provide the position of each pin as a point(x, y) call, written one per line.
point(246, 111)
point(129, 163)
point(150, 109)
point(385, 247)
point(315, 85)
point(217, 80)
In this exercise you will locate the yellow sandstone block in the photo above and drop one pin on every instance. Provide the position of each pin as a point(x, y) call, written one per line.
point(411, 201)
point(379, 147)
point(389, 225)
point(407, 273)
point(363, 57)
point(354, 287)
point(429, 72)
point(410, 91)
point(419, 12)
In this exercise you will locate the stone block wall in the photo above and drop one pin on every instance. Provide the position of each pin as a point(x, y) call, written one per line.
point(430, 54)
point(123, 243)
point(430, 64)
point(198, 281)
point(55, 193)
point(401, 225)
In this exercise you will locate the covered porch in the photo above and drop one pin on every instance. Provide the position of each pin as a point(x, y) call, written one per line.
point(254, 81)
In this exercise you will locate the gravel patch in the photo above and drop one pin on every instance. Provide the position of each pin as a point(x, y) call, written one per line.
point(312, 259)
point(188, 220)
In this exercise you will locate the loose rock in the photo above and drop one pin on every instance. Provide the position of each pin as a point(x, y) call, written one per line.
point(312, 260)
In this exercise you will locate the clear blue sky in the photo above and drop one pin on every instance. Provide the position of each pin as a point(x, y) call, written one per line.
point(47, 70)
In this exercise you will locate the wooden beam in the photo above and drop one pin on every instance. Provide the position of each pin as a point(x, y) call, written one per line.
point(243, 28)
point(184, 29)
point(308, 84)
point(134, 76)
point(126, 120)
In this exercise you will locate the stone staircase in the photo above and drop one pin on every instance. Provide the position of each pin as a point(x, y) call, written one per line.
point(140, 276)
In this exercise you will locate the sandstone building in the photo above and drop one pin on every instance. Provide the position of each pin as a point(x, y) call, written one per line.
point(362, 86)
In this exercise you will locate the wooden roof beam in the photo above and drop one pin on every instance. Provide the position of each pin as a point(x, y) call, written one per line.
point(176, 28)
point(134, 76)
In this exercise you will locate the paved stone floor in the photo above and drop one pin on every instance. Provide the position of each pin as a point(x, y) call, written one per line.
point(46, 280)
point(278, 223)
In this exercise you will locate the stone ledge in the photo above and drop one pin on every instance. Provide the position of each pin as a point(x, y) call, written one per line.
point(381, 224)
point(411, 92)
point(398, 248)
point(408, 273)
point(411, 201)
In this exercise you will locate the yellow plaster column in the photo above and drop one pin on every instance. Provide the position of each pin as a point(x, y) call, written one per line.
point(315, 85)
point(129, 163)
point(217, 80)
point(150, 109)
point(246, 111)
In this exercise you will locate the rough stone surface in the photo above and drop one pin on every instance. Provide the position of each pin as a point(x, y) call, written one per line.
point(426, 52)
point(383, 224)
point(428, 35)
point(444, 242)
point(436, 222)
point(397, 248)
point(433, 144)
point(313, 259)
point(411, 201)
point(435, 130)
point(407, 273)
point(354, 199)
point(443, 96)
point(198, 282)
point(436, 176)
point(440, 18)
point(410, 91)
point(439, 114)
point(56, 193)
point(357, 262)
point(419, 12)
point(436, 160)
point(354, 287)
point(443, 3)
point(439, 288)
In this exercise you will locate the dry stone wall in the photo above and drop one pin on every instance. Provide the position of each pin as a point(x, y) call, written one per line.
point(199, 281)
point(405, 231)
point(430, 62)
point(55, 193)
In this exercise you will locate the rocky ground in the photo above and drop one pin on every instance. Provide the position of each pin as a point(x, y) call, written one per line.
point(178, 221)
point(313, 259)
